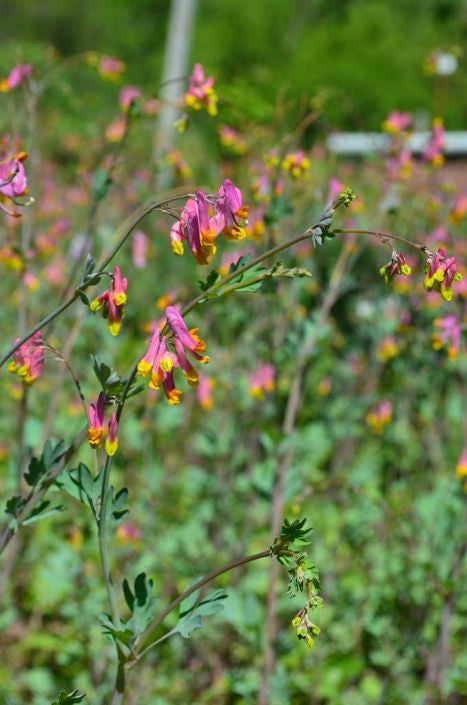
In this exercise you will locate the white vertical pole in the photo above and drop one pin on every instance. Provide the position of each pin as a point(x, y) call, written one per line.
point(177, 49)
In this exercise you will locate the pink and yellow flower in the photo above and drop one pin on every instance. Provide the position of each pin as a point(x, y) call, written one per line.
point(433, 151)
point(112, 302)
point(96, 412)
point(380, 416)
point(128, 96)
point(13, 181)
point(201, 93)
point(396, 265)
point(205, 392)
point(16, 77)
point(28, 360)
point(111, 442)
point(232, 140)
point(396, 122)
point(261, 381)
point(440, 273)
point(448, 335)
point(111, 68)
point(296, 164)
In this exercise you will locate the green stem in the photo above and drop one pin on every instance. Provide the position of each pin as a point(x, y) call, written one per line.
point(101, 529)
point(380, 236)
point(124, 232)
point(197, 586)
point(119, 688)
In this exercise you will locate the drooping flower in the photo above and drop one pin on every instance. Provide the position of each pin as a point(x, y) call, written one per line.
point(396, 265)
point(231, 213)
point(111, 442)
point(396, 122)
point(112, 302)
point(13, 181)
point(96, 412)
point(201, 93)
point(441, 272)
point(261, 381)
point(433, 151)
point(17, 75)
point(448, 334)
point(197, 227)
point(296, 164)
point(28, 360)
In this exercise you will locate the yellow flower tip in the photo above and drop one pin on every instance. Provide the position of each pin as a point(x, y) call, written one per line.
point(23, 371)
point(257, 393)
point(166, 363)
point(204, 360)
point(12, 367)
point(156, 381)
point(458, 277)
point(115, 327)
point(309, 641)
point(174, 396)
point(406, 269)
point(143, 368)
point(452, 353)
point(4, 86)
point(177, 248)
point(120, 298)
point(296, 621)
point(111, 447)
point(94, 437)
point(446, 293)
point(95, 305)
point(191, 377)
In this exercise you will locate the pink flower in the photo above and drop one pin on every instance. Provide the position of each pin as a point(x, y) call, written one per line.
point(433, 151)
point(396, 122)
point(441, 272)
point(205, 392)
point(461, 467)
point(262, 381)
point(197, 228)
point(96, 412)
point(111, 68)
point(201, 92)
point(28, 360)
point(13, 181)
point(139, 249)
point(128, 95)
point(18, 75)
point(449, 333)
point(112, 302)
point(111, 442)
point(231, 211)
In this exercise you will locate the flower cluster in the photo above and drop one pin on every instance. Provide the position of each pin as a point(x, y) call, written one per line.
point(440, 273)
point(28, 360)
point(379, 417)
point(112, 302)
point(396, 265)
point(201, 93)
point(296, 164)
point(167, 352)
point(448, 334)
point(96, 413)
point(262, 381)
point(433, 151)
point(13, 181)
point(202, 220)
point(17, 75)
point(304, 627)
